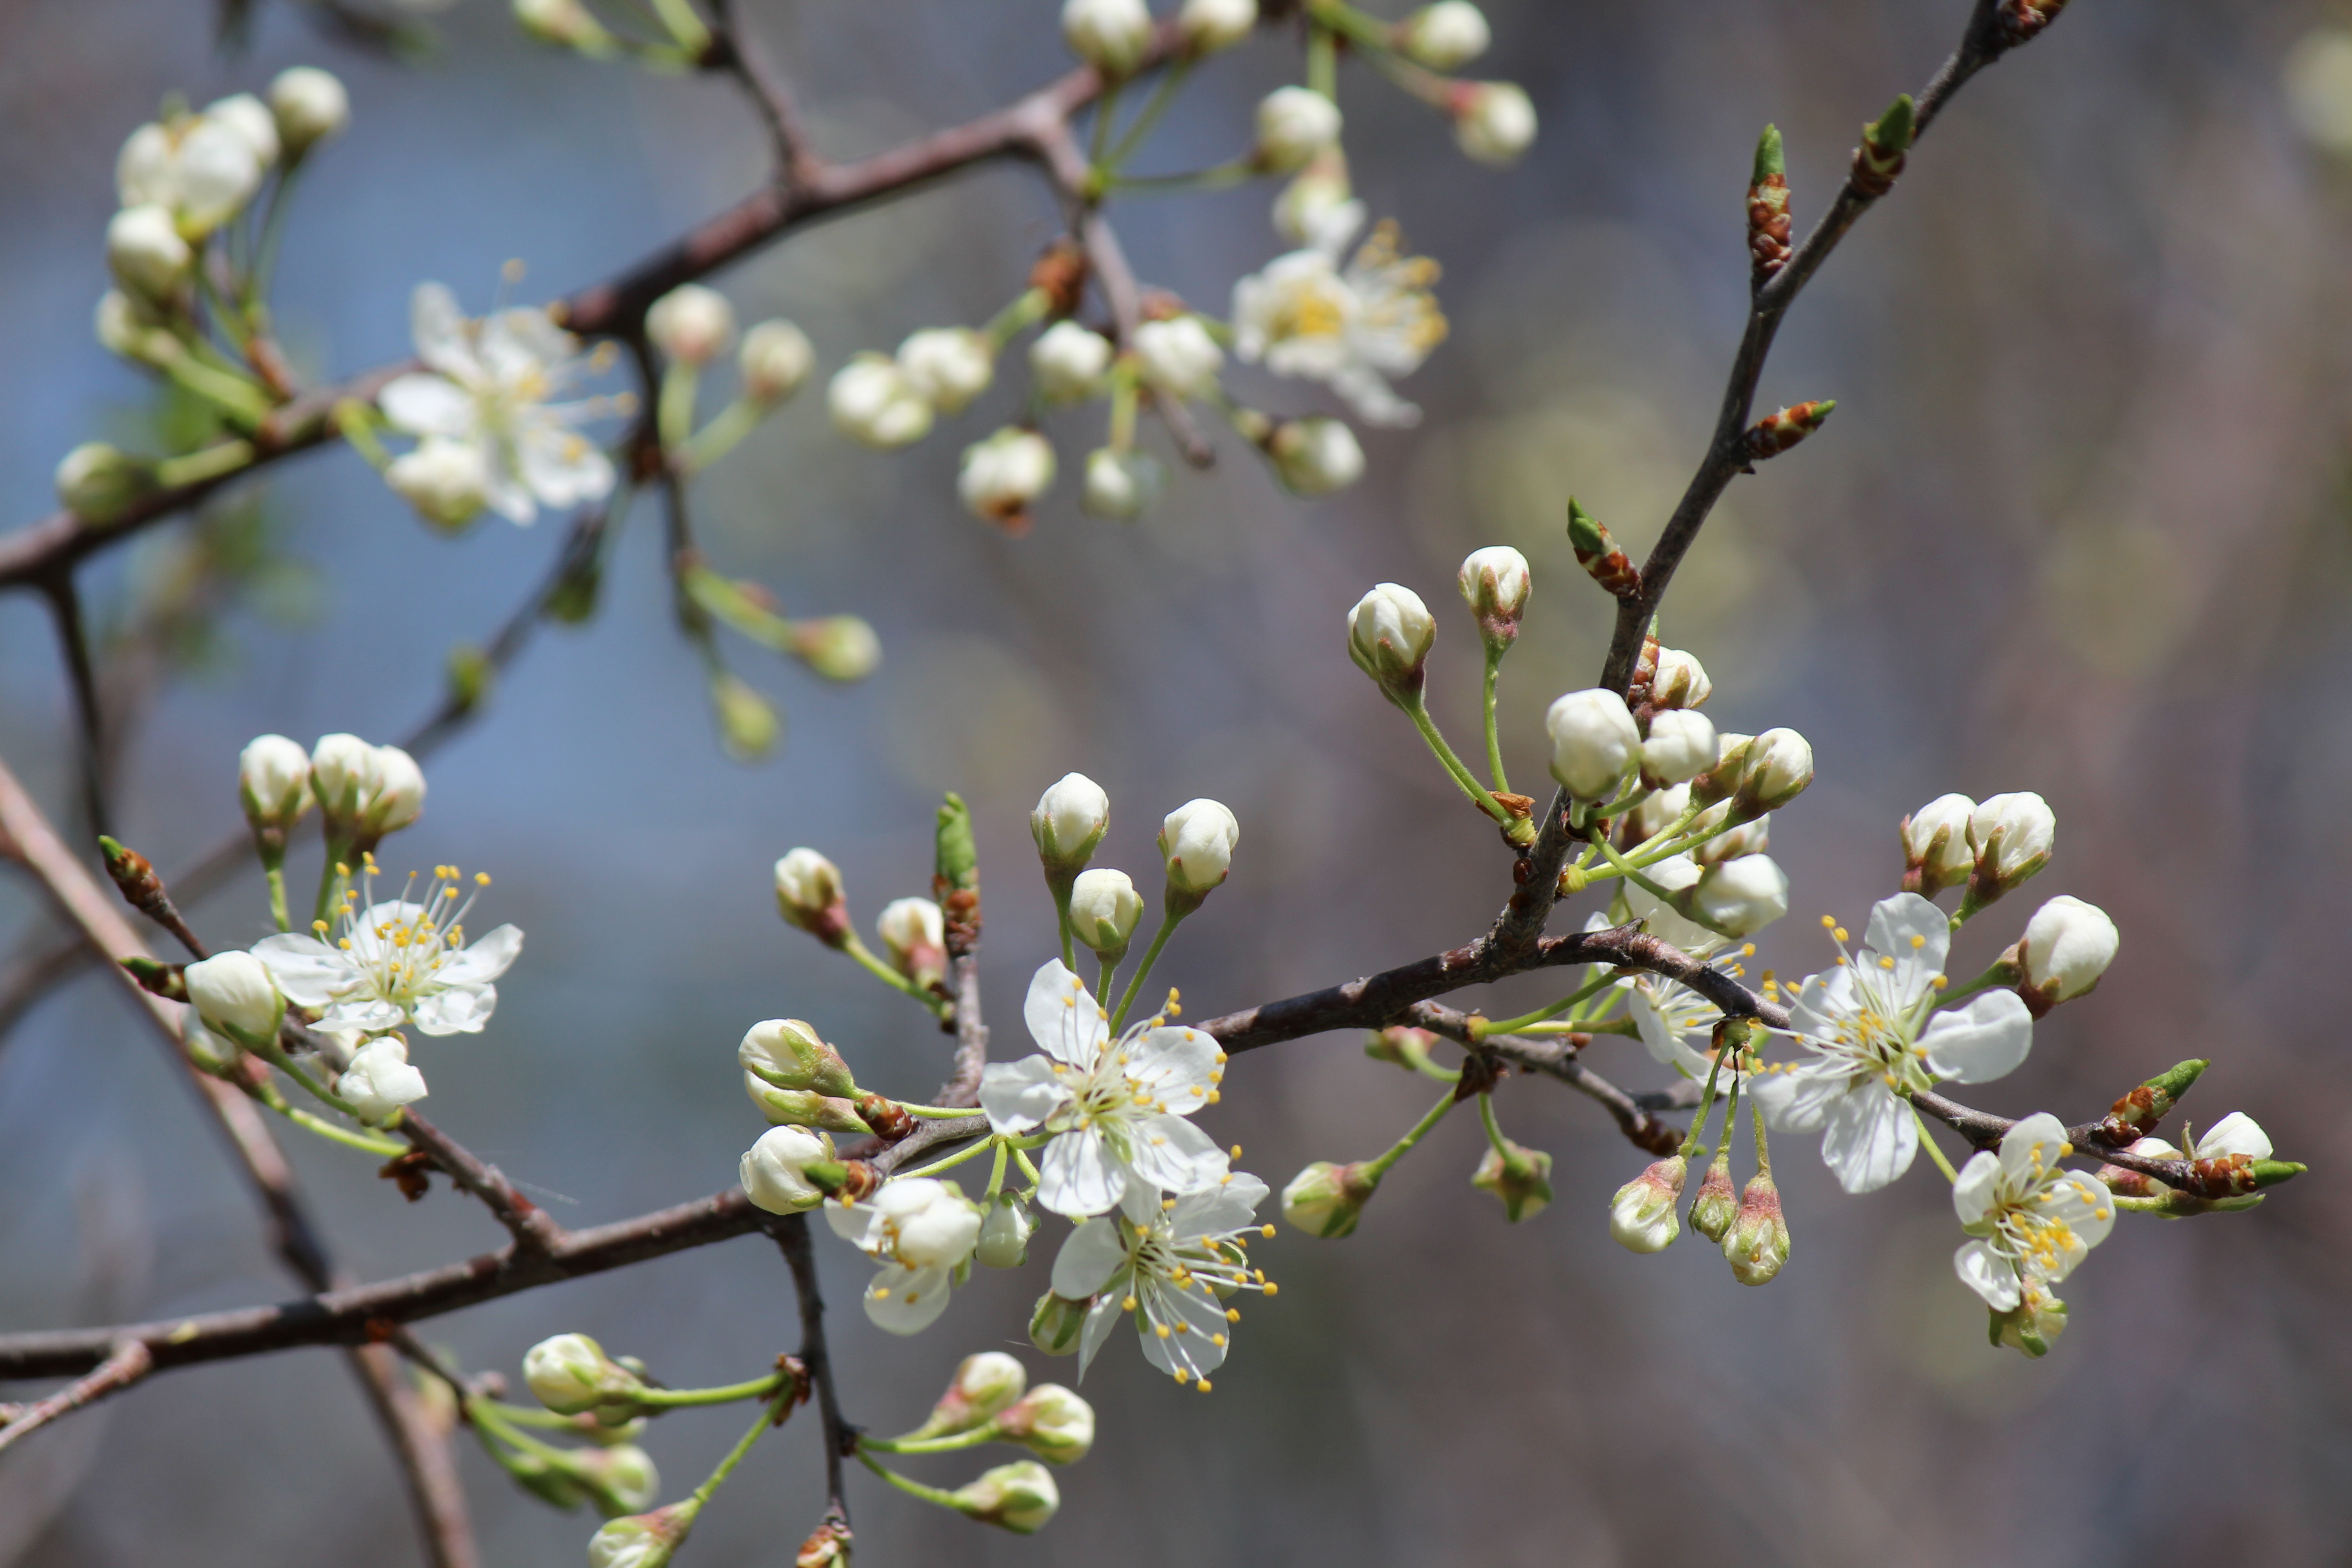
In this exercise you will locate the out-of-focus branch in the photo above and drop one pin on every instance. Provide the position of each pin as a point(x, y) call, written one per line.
point(733, 50)
point(89, 713)
point(119, 1371)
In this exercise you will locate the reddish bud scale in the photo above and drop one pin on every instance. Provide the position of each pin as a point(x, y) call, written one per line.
point(2136, 1115)
point(2225, 1176)
point(1769, 225)
point(827, 1547)
point(859, 1180)
point(1061, 274)
point(406, 1172)
point(1597, 552)
point(1775, 434)
point(890, 1123)
point(1875, 173)
point(2019, 20)
point(136, 877)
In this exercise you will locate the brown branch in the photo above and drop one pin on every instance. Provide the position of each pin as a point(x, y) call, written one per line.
point(119, 1371)
point(533, 1228)
point(792, 1234)
point(90, 712)
point(1556, 1059)
point(731, 51)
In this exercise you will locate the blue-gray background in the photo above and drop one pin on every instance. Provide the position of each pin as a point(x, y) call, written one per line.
point(2077, 526)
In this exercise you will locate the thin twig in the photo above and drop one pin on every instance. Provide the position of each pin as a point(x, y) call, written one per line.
point(119, 1371)
point(734, 51)
point(792, 1234)
point(90, 712)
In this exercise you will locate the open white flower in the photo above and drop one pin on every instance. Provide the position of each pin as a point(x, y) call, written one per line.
point(1875, 1035)
point(1117, 1106)
point(2034, 1220)
point(1352, 327)
point(1171, 1268)
point(921, 1230)
point(488, 385)
point(2236, 1133)
point(396, 963)
point(202, 168)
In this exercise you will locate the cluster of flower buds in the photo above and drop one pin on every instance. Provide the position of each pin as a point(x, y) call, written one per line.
point(362, 792)
point(798, 1080)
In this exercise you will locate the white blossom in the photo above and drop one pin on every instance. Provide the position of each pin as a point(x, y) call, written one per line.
point(774, 361)
point(1935, 849)
point(1389, 634)
point(146, 254)
point(1019, 1496)
point(920, 1229)
point(1594, 742)
point(1316, 455)
point(379, 1080)
point(1196, 846)
point(1167, 1268)
point(2033, 1219)
point(774, 1171)
point(1494, 122)
point(1873, 1033)
point(871, 400)
point(202, 168)
point(1293, 123)
point(2013, 836)
point(1120, 484)
point(1178, 356)
point(1115, 1106)
point(1068, 361)
point(1495, 583)
point(396, 963)
point(1104, 909)
point(2067, 945)
point(1680, 746)
point(1742, 895)
point(310, 106)
point(1109, 34)
point(1642, 1215)
point(1211, 25)
point(1446, 36)
point(234, 993)
point(1070, 819)
point(250, 119)
point(948, 366)
point(691, 324)
point(2236, 1133)
point(449, 482)
point(273, 781)
point(1675, 874)
point(1352, 327)
point(489, 385)
point(1678, 680)
point(1003, 474)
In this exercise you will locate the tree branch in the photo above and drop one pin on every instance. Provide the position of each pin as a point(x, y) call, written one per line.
point(119, 1371)
point(792, 1234)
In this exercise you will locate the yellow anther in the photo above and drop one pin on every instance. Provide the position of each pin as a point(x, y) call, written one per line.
point(1918, 942)
point(345, 943)
point(1885, 963)
point(1748, 950)
point(1266, 1231)
point(1232, 1314)
point(1237, 1150)
point(1218, 1341)
point(2065, 1150)
point(1271, 1288)
point(1128, 1305)
point(1840, 933)
point(1182, 1376)
point(1204, 1386)
point(318, 926)
point(1214, 1096)
point(1939, 982)
point(1159, 1329)
point(1829, 922)
point(1168, 1203)
point(341, 869)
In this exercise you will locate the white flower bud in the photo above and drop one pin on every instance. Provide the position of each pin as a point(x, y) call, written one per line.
point(1743, 895)
point(252, 123)
point(1642, 1216)
point(1495, 583)
point(1594, 742)
point(1120, 485)
point(448, 481)
point(1317, 203)
point(343, 774)
point(1109, 34)
point(1004, 1232)
point(146, 253)
point(1658, 810)
point(98, 483)
point(809, 895)
point(1197, 842)
point(1519, 1176)
point(774, 361)
point(1679, 682)
point(948, 366)
point(379, 1080)
point(624, 1473)
point(1779, 766)
point(2013, 836)
point(871, 400)
point(640, 1539)
point(309, 105)
point(125, 327)
point(924, 1223)
point(1389, 636)
point(1068, 361)
point(1293, 123)
point(398, 797)
point(208, 1052)
point(2067, 945)
point(789, 1054)
point(569, 1373)
point(1178, 356)
point(1327, 1200)
point(982, 1385)
point(1020, 1497)
point(1003, 474)
point(775, 1172)
point(567, 23)
point(1935, 849)
point(1209, 26)
point(1052, 1422)
point(914, 934)
point(1494, 122)
point(1445, 36)
point(1316, 455)
point(1752, 837)
point(838, 647)
point(1681, 747)
point(273, 783)
point(1757, 1243)
point(1070, 820)
point(1104, 909)
point(691, 324)
point(234, 993)
point(1676, 874)
point(204, 167)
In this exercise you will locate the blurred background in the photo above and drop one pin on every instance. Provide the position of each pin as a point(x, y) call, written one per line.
point(2078, 526)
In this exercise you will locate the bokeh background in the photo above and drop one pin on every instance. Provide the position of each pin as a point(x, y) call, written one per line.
point(2078, 526)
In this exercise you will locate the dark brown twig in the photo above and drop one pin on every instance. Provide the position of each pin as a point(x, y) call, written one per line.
point(89, 713)
point(119, 1371)
point(792, 1234)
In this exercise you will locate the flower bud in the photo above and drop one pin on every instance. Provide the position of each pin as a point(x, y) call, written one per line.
point(343, 772)
point(1067, 361)
point(1019, 1496)
point(1594, 743)
point(1642, 1216)
point(623, 1477)
point(1493, 120)
point(1196, 843)
point(1317, 202)
point(826, 1547)
point(309, 105)
point(1002, 475)
point(1495, 583)
point(98, 483)
point(1935, 850)
point(2067, 945)
point(1742, 895)
point(2032, 1325)
point(1520, 1177)
point(245, 116)
point(1053, 1326)
point(1109, 34)
point(775, 1170)
point(1657, 811)
point(914, 934)
point(2013, 836)
point(774, 362)
point(567, 23)
point(235, 995)
point(273, 784)
point(982, 1385)
point(1070, 820)
point(569, 1373)
point(396, 800)
point(1667, 921)
point(804, 1107)
point(1004, 1232)
point(789, 1054)
point(641, 1540)
point(1104, 909)
point(215, 1055)
point(1720, 782)
point(1758, 1241)
point(948, 366)
point(1316, 455)
point(380, 1081)
point(809, 896)
point(871, 400)
point(691, 324)
point(1293, 123)
point(1716, 1205)
point(1445, 36)
point(1052, 1422)
point(1746, 839)
point(1178, 356)
point(1400, 1044)
point(146, 253)
point(1327, 1200)
point(1680, 747)
point(126, 327)
point(1678, 680)
point(1778, 766)
point(1209, 26)
point(1120, 485)
point(748, 721)
point(1389, 636)
point(449, 482)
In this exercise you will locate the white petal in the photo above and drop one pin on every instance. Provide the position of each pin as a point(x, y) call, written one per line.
point(1063, 1017)
point(1870, 1139)
point(853, 1223)
point(2030, 1150)
point(429, 405)
point(1178, 1066)
point(2236, 1133)
point(1020, 1095)
point(489, 957)
point(307, 970)
point(1917, 935)
point(1979, 1041)
point(1078, 1176)
point(2084, 1207)
point(1821, 1001)
point(1984, 1271)
point(1090, 1255)
point(560, 466)
point(904, 1301)
point(439, 328)
point(1799, 1100)
point(1101, 1318)
point(1220, 1210)
point(1194, 1347)
point(1172, 1154)
point(1979, 1184)
point(365, 1013)
point(1664, 1042)
point(457, 1009)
